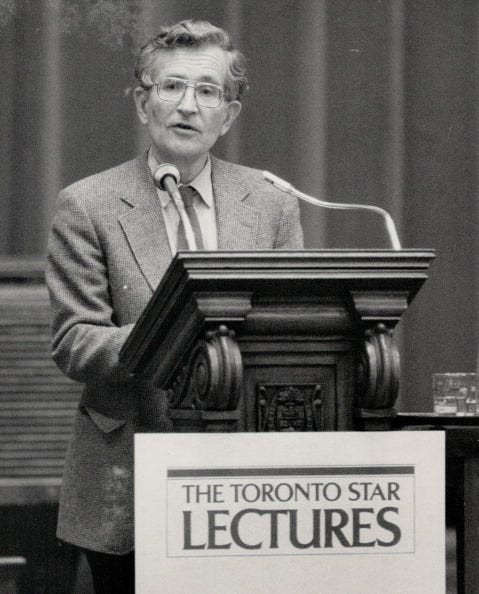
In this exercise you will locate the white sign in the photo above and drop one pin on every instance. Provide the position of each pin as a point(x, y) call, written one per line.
point(320, 513)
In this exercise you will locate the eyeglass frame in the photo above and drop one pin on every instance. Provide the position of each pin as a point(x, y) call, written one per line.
point(188, 83)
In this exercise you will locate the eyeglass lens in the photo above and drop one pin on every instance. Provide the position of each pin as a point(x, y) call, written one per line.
point(173, 89)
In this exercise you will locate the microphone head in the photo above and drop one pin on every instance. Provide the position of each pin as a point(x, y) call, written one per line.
point(277, 181)
point(166, 170)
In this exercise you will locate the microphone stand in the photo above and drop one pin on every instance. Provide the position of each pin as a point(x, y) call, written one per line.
point(167, 177)
point(287, 187)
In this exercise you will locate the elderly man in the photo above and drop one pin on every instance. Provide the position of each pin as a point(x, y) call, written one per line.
point(113, 237)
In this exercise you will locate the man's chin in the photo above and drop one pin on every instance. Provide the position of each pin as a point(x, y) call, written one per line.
point(184, 151)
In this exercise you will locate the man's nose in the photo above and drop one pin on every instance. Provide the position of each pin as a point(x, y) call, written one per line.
point(188, 103)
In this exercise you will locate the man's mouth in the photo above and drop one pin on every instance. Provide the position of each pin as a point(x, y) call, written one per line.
point(182, 126)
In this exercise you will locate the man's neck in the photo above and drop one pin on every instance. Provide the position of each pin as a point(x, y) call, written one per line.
point(188, 169)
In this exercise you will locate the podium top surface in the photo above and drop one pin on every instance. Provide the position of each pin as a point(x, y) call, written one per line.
point(233, 270)
point(307, 259)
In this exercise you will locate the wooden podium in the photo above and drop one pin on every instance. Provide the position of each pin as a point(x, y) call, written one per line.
point(277, 341)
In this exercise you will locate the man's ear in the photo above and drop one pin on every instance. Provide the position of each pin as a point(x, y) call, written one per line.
point(141, 97)
point(232, 112)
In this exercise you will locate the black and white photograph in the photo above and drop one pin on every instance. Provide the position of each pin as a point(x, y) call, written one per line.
point(239, 296)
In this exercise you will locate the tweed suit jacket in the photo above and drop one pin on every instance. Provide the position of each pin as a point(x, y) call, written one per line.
point(108, 251)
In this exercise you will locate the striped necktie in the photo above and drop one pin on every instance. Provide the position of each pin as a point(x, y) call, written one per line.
point(188, 194)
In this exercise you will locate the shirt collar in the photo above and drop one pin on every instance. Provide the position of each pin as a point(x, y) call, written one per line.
point(201, 183)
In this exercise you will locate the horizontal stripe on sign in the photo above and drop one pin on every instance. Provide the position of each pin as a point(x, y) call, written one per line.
point(288, 471)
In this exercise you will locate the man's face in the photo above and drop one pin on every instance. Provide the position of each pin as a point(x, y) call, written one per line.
point(183, 131)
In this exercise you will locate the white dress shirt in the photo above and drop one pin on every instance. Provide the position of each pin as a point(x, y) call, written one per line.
point(203, 204)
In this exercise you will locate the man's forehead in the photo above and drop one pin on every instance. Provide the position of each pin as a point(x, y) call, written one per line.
point(201, 63)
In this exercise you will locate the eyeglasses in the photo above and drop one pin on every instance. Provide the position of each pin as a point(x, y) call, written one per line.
point(174, 89)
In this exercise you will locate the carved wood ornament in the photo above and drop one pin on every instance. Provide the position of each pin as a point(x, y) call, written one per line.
point(289, 408)
point(378, 369)
point(211, 377)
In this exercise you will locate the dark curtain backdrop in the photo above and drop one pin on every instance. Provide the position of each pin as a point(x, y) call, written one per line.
point(353, 100)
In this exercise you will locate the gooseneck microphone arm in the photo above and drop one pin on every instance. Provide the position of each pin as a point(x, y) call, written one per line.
point(287, 187)
point(167, 177)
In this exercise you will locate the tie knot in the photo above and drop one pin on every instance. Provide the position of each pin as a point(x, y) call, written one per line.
point(188, 195)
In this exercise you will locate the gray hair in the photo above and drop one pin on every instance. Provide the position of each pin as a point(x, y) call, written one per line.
point(192, 33)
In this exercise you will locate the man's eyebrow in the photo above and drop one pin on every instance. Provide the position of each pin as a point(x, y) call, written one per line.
point(208, 78)
point(202, 78)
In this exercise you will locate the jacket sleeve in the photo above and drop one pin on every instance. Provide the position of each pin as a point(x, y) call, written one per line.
point(86, 339)
point(290, 234)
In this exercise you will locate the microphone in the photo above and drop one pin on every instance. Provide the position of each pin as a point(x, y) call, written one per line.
point(167, 177)
point(287, 187)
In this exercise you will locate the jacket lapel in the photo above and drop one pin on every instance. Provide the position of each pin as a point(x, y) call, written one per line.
point(145, 229)
point(144, 225)
point(237, 222)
